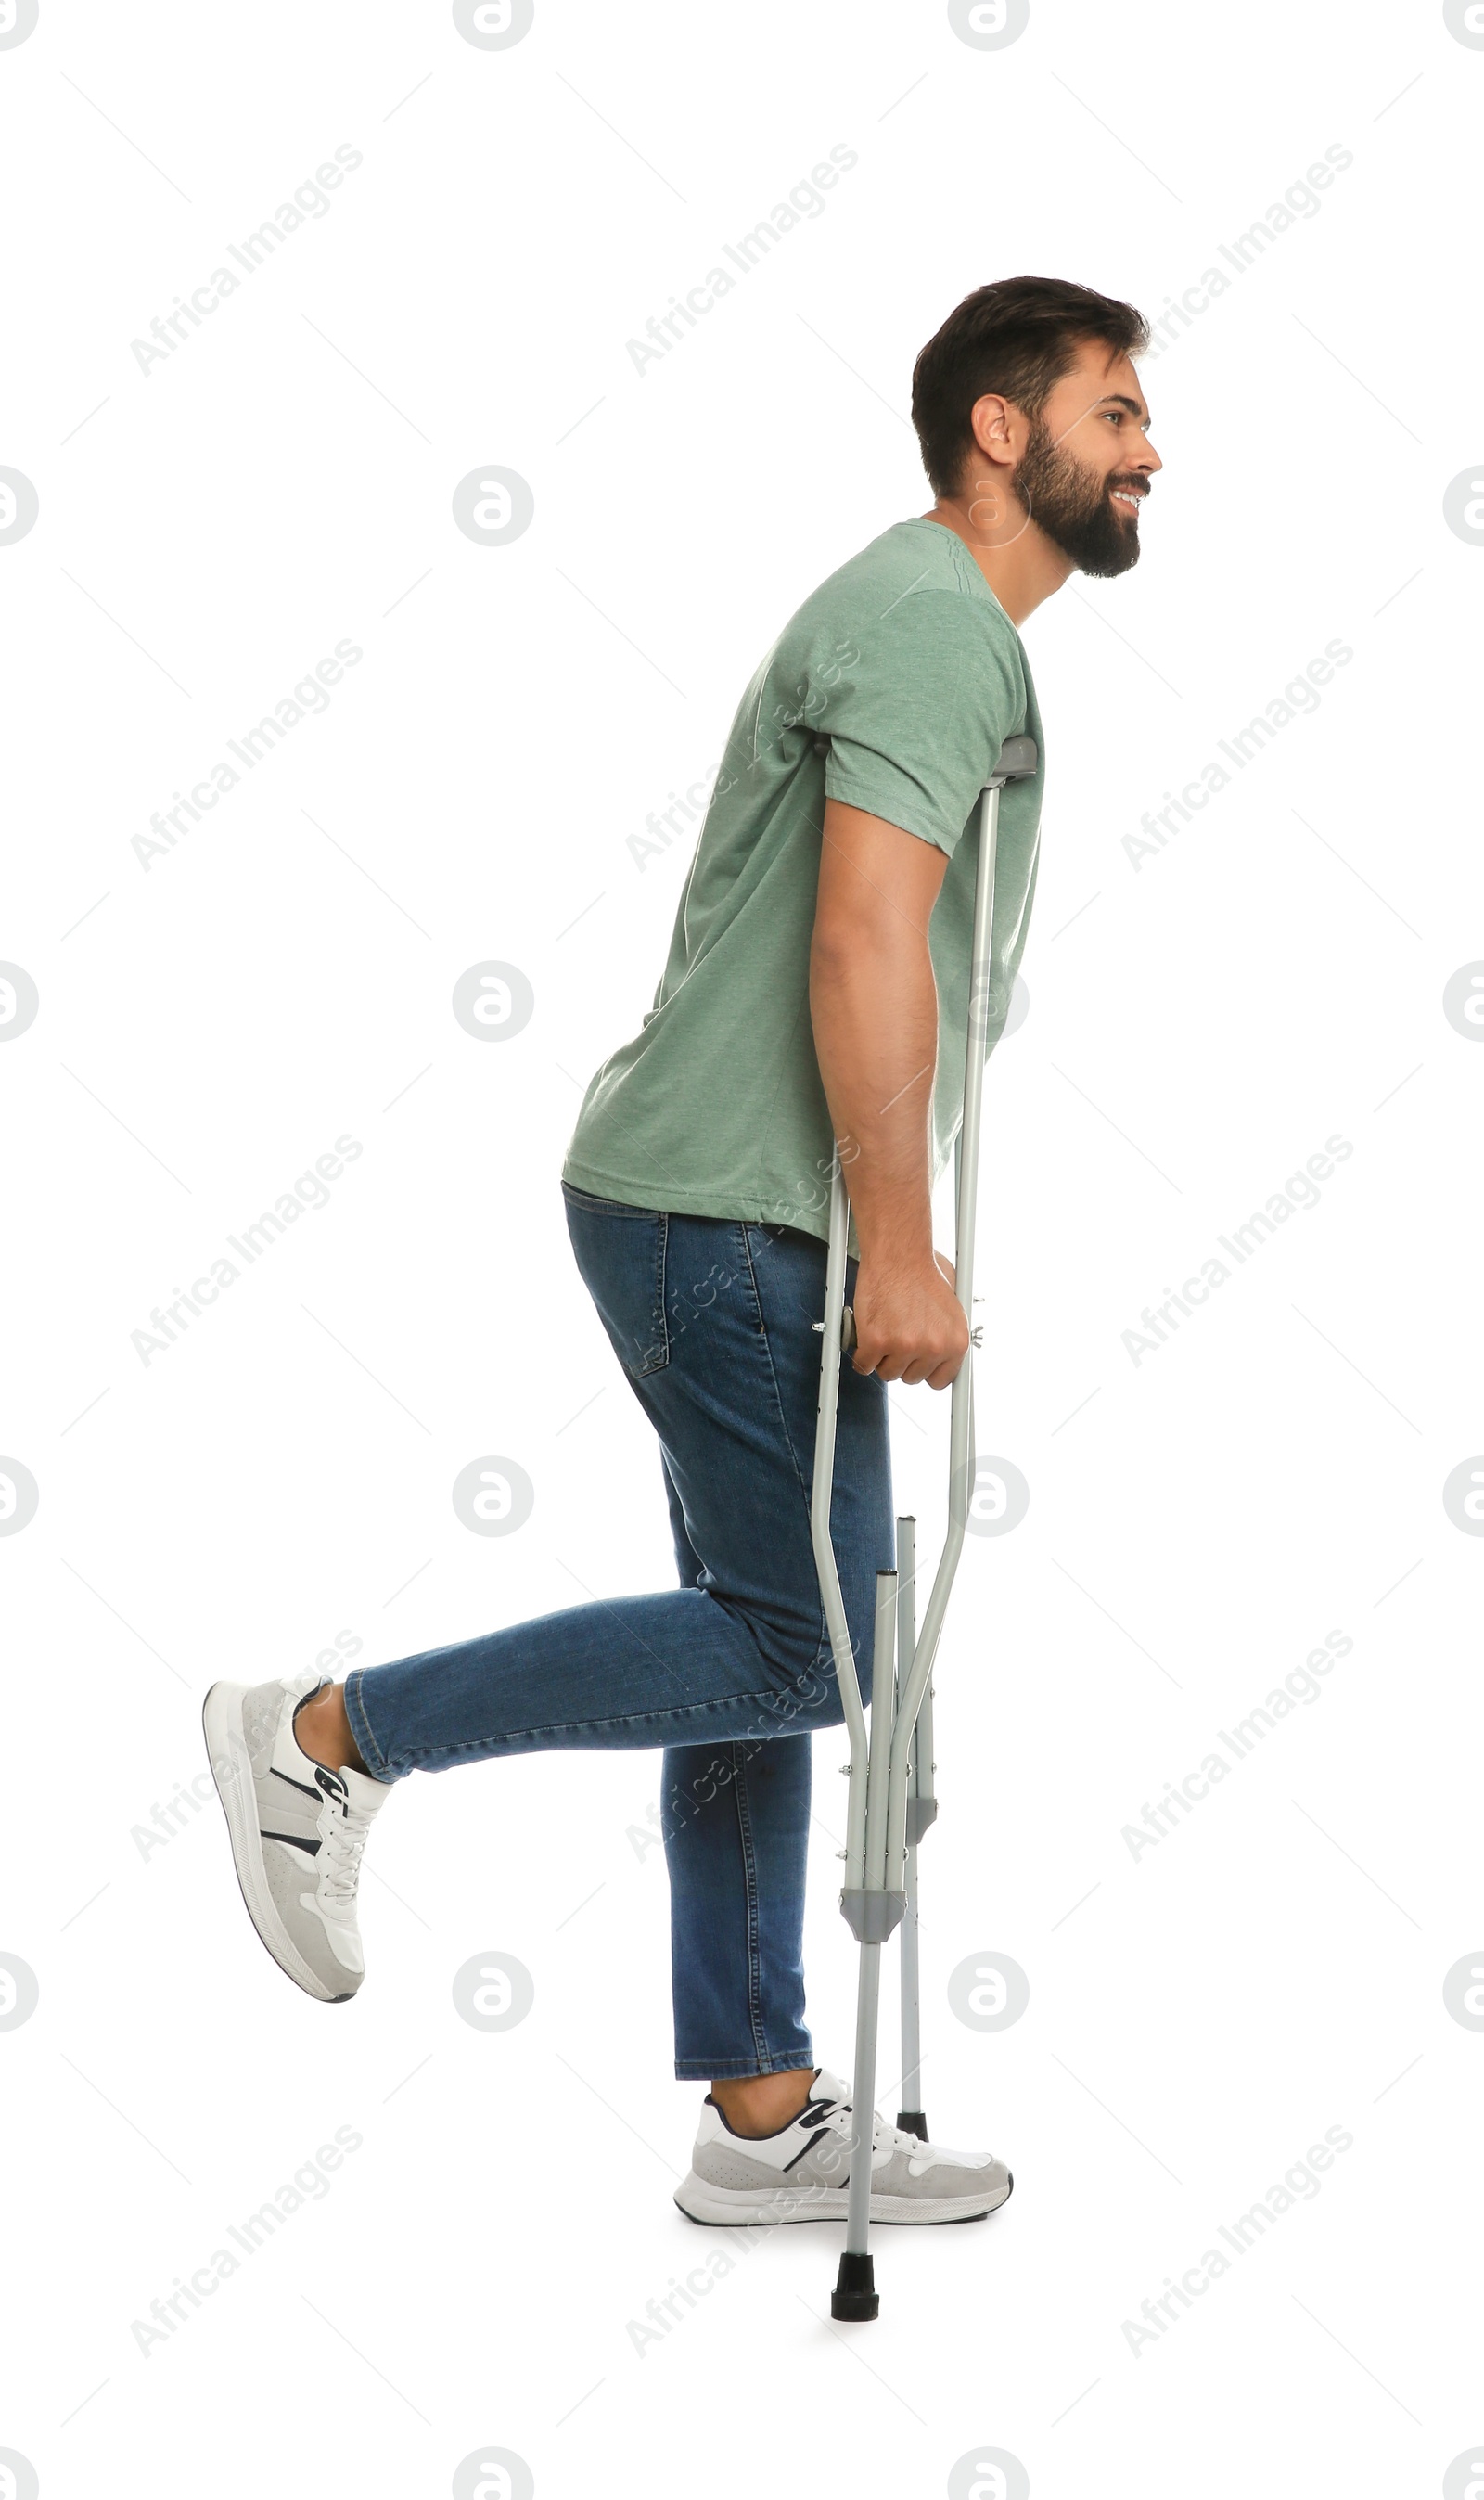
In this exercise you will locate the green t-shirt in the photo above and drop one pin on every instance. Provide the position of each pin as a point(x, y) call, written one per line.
point(893, 689)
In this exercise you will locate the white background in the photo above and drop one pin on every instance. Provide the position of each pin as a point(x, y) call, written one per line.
point(1197, 1026)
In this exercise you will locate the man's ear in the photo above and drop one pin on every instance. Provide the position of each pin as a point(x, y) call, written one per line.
point(989, 421)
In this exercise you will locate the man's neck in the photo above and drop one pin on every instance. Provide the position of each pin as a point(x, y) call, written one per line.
point(1020, 574)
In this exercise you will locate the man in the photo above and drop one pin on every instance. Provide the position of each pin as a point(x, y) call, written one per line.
point(813, 1005)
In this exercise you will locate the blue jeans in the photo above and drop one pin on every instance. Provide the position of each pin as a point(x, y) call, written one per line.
point(732, 1671)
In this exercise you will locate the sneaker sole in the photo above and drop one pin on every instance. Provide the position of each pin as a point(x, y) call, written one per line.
point(231, 1767)
point(700, 2203)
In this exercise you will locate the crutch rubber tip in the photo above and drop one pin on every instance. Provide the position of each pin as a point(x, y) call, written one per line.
point(913, 2123)
point(855, 2294)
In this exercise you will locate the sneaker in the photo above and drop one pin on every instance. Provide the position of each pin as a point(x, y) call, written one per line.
point(802, 2173)
point(297, 1832)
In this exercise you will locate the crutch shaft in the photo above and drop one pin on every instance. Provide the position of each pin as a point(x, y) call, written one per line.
point(864, 2093)
point(855, 2295)
point(819, 1527)
point(909, 2089)
point(961, 1418)
point(871, 1905)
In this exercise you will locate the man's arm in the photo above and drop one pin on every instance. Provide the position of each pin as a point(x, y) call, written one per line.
point(873, 1002)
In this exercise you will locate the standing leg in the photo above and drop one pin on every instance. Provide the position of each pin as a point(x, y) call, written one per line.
point(735, 1820)
point(736, 1814)
point(734, 1817)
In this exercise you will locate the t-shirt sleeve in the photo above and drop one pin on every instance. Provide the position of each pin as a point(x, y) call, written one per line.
point(917, 710)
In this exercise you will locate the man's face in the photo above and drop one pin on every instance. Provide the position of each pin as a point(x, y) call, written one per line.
point(1087, 462)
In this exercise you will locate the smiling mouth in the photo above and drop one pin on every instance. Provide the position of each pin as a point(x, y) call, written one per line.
point(1123, 495)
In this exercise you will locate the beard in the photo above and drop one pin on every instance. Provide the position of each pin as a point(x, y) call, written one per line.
point(1073, 508)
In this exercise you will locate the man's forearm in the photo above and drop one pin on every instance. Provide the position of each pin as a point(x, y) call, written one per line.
point(875, 1009)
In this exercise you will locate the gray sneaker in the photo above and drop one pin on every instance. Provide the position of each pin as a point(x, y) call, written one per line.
point(297, 1832)
point(801, 2174)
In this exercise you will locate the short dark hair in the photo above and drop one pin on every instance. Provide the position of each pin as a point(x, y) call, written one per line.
point(1016, 337)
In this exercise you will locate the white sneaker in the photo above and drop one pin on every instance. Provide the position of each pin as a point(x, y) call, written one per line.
point(802, 2173)
point(297, 1831)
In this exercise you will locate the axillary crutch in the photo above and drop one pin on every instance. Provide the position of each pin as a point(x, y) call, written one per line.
point(891, 1768)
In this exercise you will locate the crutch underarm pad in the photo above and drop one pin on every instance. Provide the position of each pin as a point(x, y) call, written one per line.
point(1016, 762)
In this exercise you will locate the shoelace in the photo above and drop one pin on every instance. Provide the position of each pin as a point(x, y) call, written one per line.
point(339, 1857)
point(901, 2141)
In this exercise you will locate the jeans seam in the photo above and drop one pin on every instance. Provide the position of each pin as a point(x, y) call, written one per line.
point(369, 1751)
point(772, 1373)
point(658, 1351)
point(749, 1878)
point(823, 1649)
point(488, 1745)
point(724, 2070)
